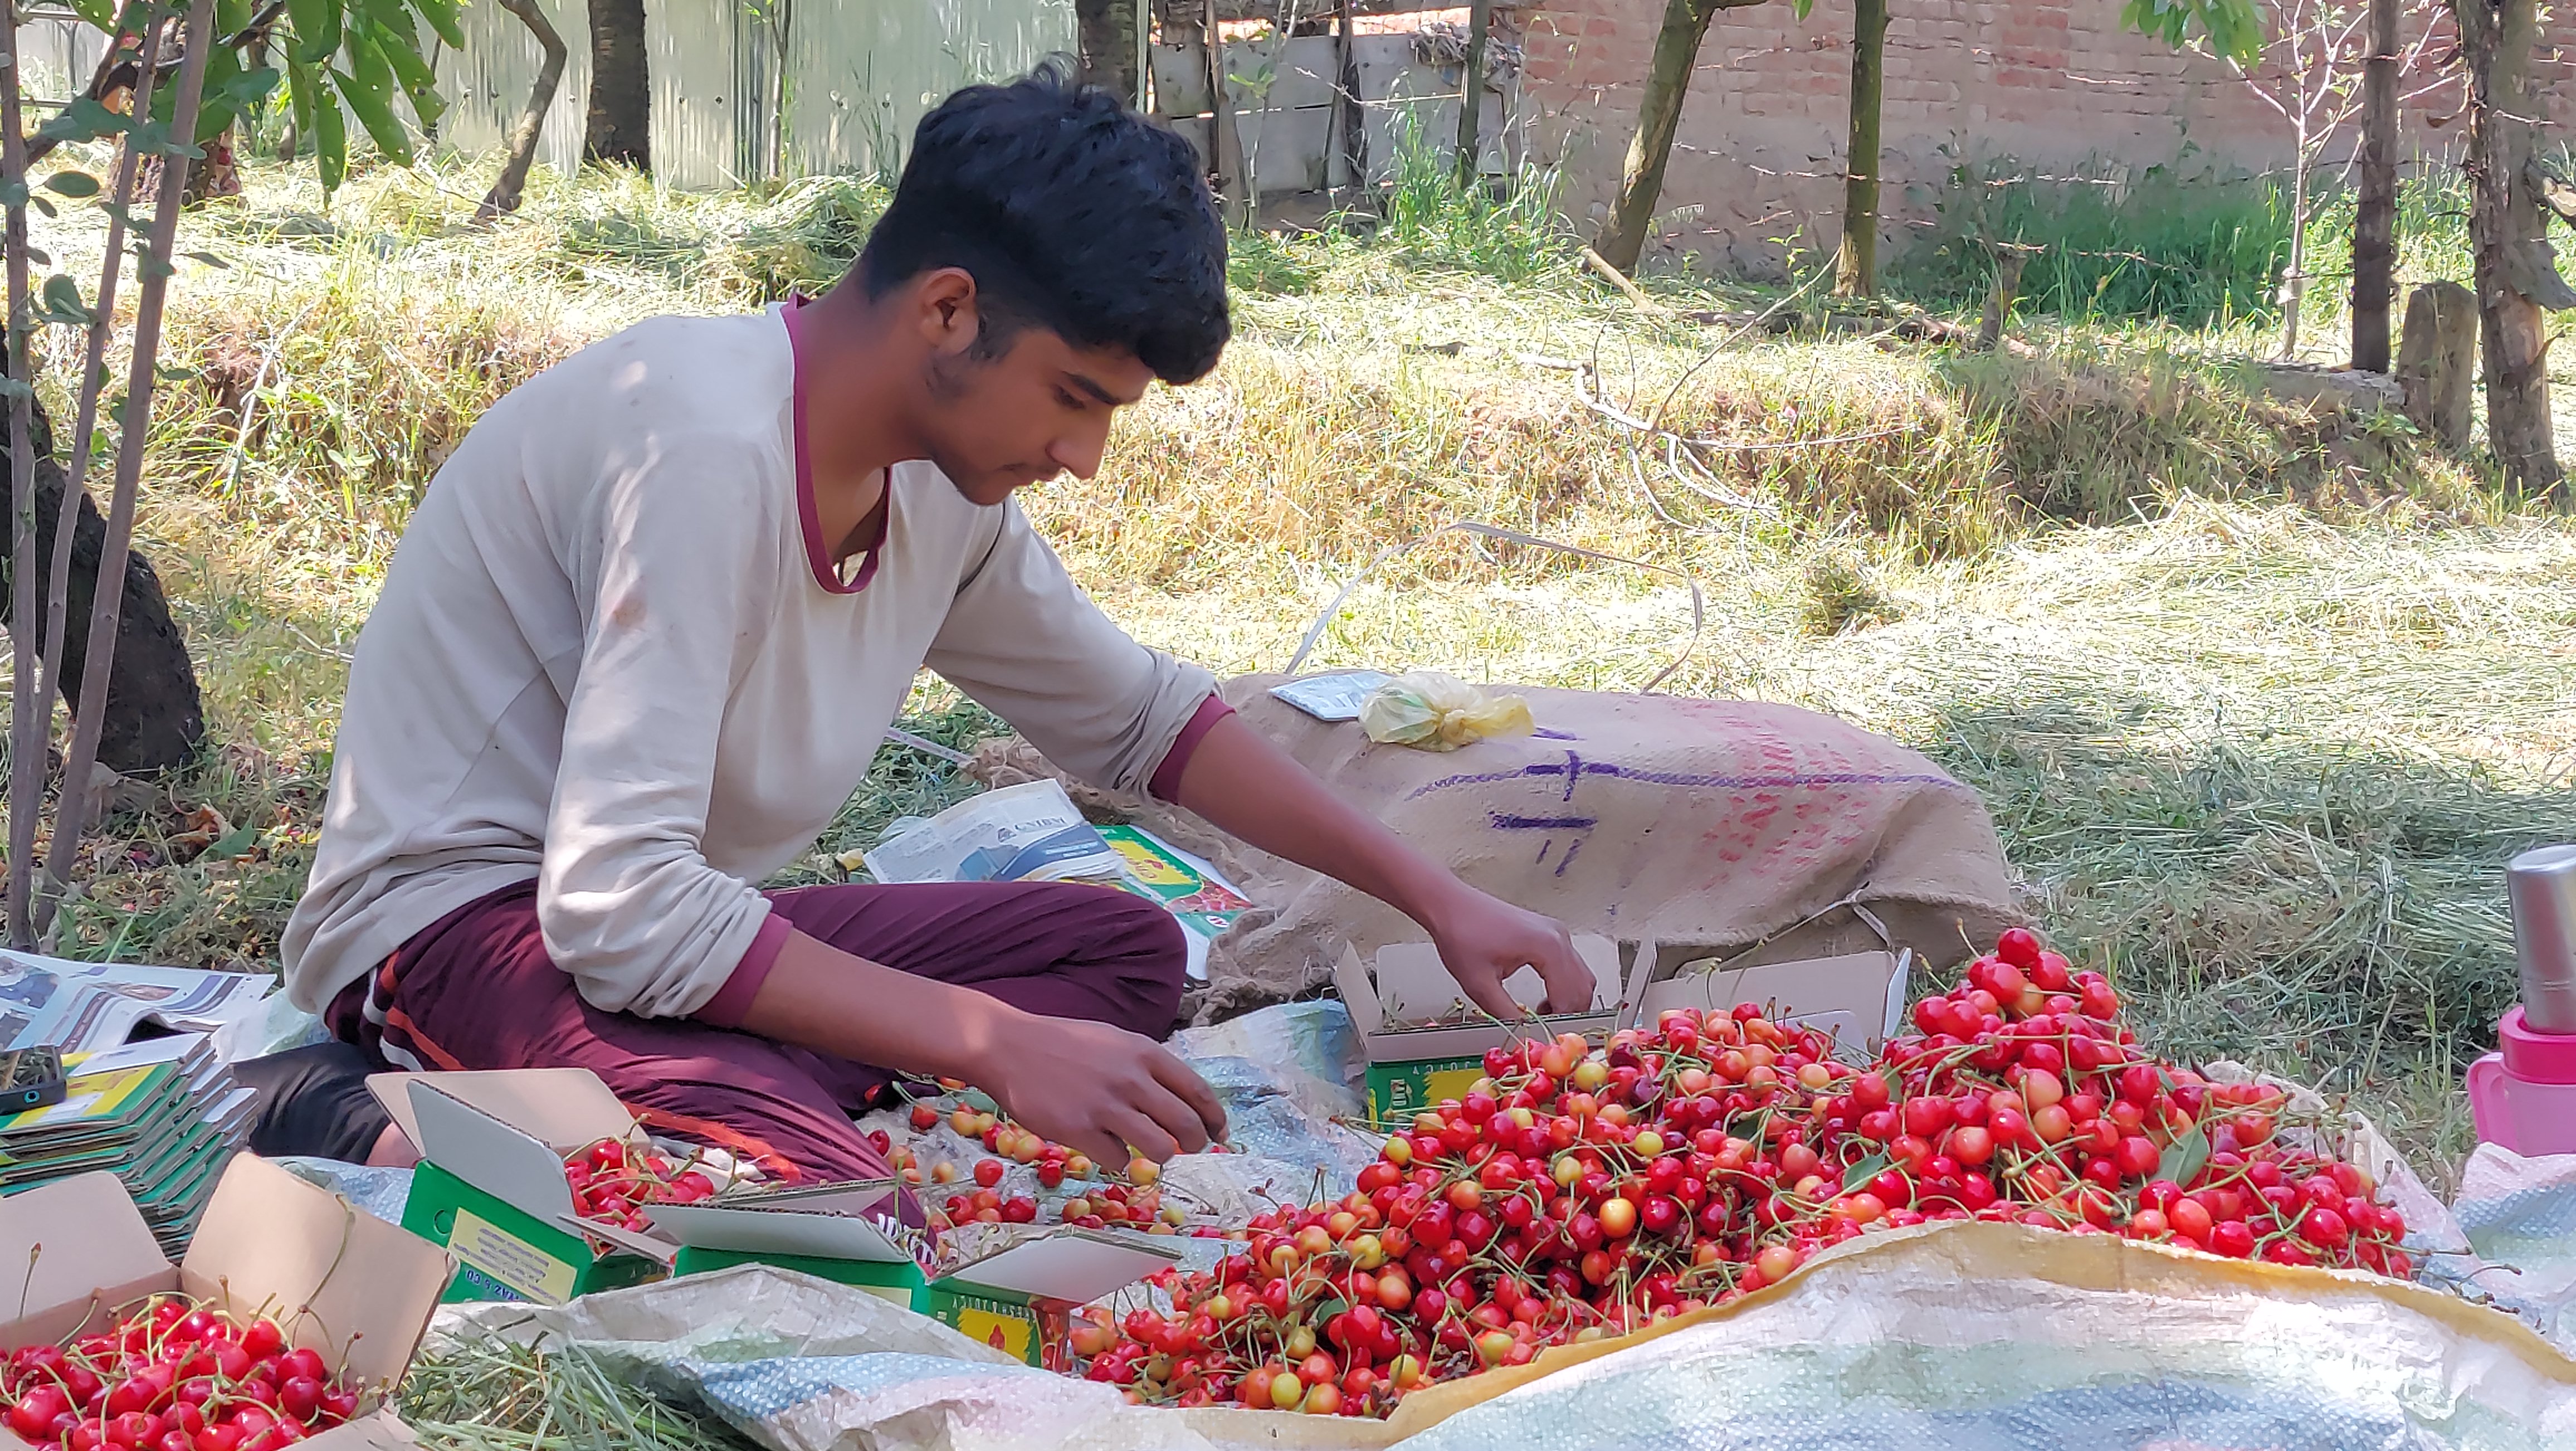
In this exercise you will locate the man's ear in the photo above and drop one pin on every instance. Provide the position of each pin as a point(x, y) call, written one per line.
point(945, 307)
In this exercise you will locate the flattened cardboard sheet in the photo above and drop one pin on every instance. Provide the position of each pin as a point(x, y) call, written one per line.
point(1075, 1266)
point(779, 1231)
point(1407, 981)
point(1861, 997)
point(563, 1107)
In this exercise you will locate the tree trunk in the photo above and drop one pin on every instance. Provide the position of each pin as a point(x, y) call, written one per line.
point(2374, 226)
point(153, 719)
point(1350, 134)
point(1106, 31)
point(2438, 359)
point(619, 127)
point(1659, 115)
point(1471, 94)
point(1225, 138)
point(503, 198)
point(1856, 266)
point(2517, 276)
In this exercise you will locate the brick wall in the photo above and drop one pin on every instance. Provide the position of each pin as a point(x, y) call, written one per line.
point(2049, 84)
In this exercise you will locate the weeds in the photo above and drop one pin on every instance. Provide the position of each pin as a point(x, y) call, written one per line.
point(2191, 246)
point(1844, 593)
point(1433, 222)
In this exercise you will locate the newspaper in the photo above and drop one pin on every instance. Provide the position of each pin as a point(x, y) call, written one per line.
point(1033, 833)
point(1025, 833)
point(84, 1007)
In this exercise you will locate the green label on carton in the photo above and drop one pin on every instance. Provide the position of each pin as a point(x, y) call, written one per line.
point(1398, 1091)
point(513, 1262)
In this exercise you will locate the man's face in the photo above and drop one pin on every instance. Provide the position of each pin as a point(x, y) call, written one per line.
point(1039, 409)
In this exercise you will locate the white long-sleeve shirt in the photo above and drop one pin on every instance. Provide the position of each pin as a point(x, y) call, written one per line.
point(613, 654)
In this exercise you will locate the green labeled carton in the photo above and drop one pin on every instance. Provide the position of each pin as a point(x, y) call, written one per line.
point(1012, 1287)
point(1423, 1046)
point(491, 1186)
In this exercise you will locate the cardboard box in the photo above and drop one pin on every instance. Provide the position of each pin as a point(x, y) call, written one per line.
point(490, 1186)
point(1012, 1287)
point(1410, 1068)
point(1862, 998)
point(347, 1284)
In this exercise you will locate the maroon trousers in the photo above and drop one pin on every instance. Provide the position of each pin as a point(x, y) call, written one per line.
point(476, 990)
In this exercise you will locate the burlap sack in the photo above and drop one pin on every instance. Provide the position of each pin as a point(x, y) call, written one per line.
point(1728, 823)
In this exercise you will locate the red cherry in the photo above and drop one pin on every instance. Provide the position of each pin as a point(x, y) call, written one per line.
point(263, 1339)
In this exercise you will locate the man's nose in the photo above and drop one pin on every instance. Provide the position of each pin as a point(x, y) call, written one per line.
point(1079, 452)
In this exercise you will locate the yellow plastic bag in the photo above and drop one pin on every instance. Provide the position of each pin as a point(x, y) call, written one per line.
point(1434, 712)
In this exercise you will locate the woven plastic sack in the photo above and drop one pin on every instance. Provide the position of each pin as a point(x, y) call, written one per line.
point(1436, 712)
point(1981, 1337)
point(2519, 1216)
point(1955, 1337)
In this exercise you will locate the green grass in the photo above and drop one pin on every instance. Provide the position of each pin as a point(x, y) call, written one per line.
point(2261, 697)
point(2182, 243)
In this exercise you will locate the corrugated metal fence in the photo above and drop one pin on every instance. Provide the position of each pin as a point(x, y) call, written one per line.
point(1281, 92)
point(858, 75)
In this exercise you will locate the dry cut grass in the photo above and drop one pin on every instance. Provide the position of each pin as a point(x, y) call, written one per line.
point(2261, 698)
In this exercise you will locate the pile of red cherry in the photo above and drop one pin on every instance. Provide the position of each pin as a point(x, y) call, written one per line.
point(1579, 1191)
point(173, 1375)
point(612, 1181)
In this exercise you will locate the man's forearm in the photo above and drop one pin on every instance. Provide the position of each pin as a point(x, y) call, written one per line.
point(1251, 789)
point(817, 996)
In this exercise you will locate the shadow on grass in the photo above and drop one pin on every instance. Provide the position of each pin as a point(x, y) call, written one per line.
point(2334, 913)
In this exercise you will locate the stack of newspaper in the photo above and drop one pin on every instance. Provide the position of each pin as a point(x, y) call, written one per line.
point(148, 1096)
point(1033, 833)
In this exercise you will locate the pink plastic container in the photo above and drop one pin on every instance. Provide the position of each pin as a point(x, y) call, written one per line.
point(2524, 1098)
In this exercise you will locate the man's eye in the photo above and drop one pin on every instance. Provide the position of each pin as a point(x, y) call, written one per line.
point(1067, 399)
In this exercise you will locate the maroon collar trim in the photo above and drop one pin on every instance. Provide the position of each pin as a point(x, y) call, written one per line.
point(818, 558)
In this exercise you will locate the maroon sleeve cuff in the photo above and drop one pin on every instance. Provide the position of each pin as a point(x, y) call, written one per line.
point(733, 1000)
point(1166, 782)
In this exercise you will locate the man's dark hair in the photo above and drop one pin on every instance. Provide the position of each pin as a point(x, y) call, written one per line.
point(1071, 213)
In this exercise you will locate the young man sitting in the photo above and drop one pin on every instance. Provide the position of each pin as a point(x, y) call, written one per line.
point(643, 635)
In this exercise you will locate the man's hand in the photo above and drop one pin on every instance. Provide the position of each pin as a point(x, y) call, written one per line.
point(1100, 1089)
point(1097, 1088)
point(1484, 940)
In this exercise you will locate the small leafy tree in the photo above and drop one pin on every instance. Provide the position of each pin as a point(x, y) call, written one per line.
point(158, 127)
point(343, 58)
point(2309, 74)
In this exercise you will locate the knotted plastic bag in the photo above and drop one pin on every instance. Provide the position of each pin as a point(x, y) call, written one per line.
point(1434, 712)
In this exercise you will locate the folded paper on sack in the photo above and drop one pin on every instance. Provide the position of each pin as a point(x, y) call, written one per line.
point(1434, 712)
